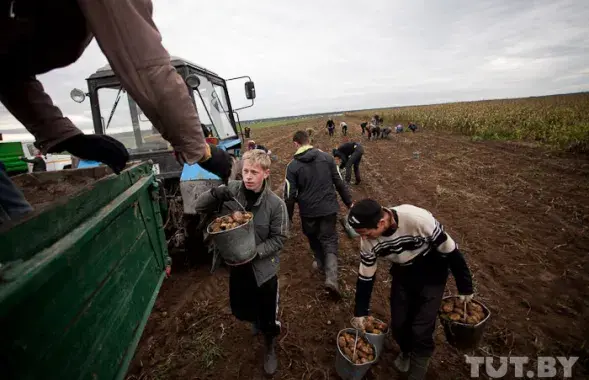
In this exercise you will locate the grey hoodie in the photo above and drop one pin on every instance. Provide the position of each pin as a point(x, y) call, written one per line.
point(270, 221)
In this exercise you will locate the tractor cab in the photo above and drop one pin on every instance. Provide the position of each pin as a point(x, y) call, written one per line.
point(116, 114)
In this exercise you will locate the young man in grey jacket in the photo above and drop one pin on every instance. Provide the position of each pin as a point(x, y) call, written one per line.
point(253, 287)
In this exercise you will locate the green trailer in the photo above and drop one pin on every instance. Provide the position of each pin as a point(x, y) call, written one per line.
point(10, 154)
point(80, 275)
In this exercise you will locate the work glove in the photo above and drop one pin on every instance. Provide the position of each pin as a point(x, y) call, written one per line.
point(101, 148)
point(219, 163)
point(222, 193)
point(358, 322)
point(466, 298)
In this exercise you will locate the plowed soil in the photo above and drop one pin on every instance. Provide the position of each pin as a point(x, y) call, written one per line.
point(520, 214)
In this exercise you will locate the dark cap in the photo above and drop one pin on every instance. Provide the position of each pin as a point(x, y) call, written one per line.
point(365, 214)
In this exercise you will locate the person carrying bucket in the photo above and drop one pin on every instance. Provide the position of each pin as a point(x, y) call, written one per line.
point(253, 286)
point(421, 253)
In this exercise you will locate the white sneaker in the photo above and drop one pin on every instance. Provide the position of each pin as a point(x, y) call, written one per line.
point(402, 362)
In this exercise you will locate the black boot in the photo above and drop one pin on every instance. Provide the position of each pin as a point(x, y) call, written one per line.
point(331, 274)
point(270, 358)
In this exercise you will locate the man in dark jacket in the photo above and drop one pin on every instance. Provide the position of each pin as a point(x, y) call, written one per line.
point(38, 162)
point(253, 286)
point(350, 154)
point(330, 127)
point(312, 179)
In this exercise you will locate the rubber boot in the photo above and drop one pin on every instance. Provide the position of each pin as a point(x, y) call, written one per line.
point(270, 359)
point(402, 362)
point(418, 368)
point(331, 274)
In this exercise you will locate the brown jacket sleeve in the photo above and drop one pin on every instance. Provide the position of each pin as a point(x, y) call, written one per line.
point(128, 37)
point(25, 98)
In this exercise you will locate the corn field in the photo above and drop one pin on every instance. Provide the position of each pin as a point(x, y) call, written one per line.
point(557, 120)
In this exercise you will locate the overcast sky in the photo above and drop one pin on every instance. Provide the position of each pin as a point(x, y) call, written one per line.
point(311, 56)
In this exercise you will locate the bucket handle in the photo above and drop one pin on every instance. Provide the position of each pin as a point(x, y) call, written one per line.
point(240, 205)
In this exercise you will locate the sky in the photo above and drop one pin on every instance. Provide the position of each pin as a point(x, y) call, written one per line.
point(314, 56)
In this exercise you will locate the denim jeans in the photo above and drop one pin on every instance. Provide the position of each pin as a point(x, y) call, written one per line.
point(12, 200)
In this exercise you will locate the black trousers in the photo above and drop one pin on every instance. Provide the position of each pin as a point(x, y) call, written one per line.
point(354, 161)
point(322, 235)
point(344, 131)
point(414, 309)
point(331, 130)
point(253, 303)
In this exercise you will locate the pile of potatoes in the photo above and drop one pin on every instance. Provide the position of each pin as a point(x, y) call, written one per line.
point(228, 222)
point(453, 310)
point(364, 352)
point(373, 326)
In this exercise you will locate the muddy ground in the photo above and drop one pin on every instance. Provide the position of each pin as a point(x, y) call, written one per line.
point(520, 214)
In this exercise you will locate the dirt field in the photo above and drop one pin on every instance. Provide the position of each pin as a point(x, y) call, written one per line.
point(520, 214)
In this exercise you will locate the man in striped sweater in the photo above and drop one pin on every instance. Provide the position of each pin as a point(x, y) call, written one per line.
point(422, 254)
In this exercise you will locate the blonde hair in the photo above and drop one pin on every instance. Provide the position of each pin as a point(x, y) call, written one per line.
point(258, 156)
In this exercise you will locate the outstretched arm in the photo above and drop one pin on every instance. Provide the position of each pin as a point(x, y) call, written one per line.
point(339, 184)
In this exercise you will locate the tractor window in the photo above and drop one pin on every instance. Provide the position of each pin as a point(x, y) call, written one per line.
point(123, 119)
point(212, 98)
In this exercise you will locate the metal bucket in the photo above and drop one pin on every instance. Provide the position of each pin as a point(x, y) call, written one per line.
point(352, 234)
point(344, 367)
point(236, 246)
point(461, 335)
point(377, 339)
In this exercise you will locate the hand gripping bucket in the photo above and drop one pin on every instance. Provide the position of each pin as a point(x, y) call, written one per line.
point(461, 335)
point(343, 366)
point(236, 246)
point(377, 339)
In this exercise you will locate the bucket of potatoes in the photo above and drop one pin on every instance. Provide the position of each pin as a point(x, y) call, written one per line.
point(463, 322)
point(376, 332)
point(234, 237)
point(355, 354)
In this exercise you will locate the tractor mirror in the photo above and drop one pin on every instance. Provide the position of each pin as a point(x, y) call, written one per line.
point(250, 90)
point(77, 95)
point(192, 81)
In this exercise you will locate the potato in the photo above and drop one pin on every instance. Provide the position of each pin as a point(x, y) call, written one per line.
point(377, 331)
point(370, 358)
point(454, 316)
point(459, 311)
point(474, 307)
point(342, 342)
point(368, 327)
point(382, 326)
point(364, 360)
point(472, 320)
point(447, 307)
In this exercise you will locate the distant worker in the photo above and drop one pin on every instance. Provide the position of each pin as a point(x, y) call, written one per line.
point(251, 145)
point(31, 45)
point(312, 180)
point(412, 127)
point(364, 126)
point(38, 162)
point(399, 128)
point(344, 127)
point(330, 127)
point(375, 132)
point(350, 155)
point(385, 132)
point(248, 132)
